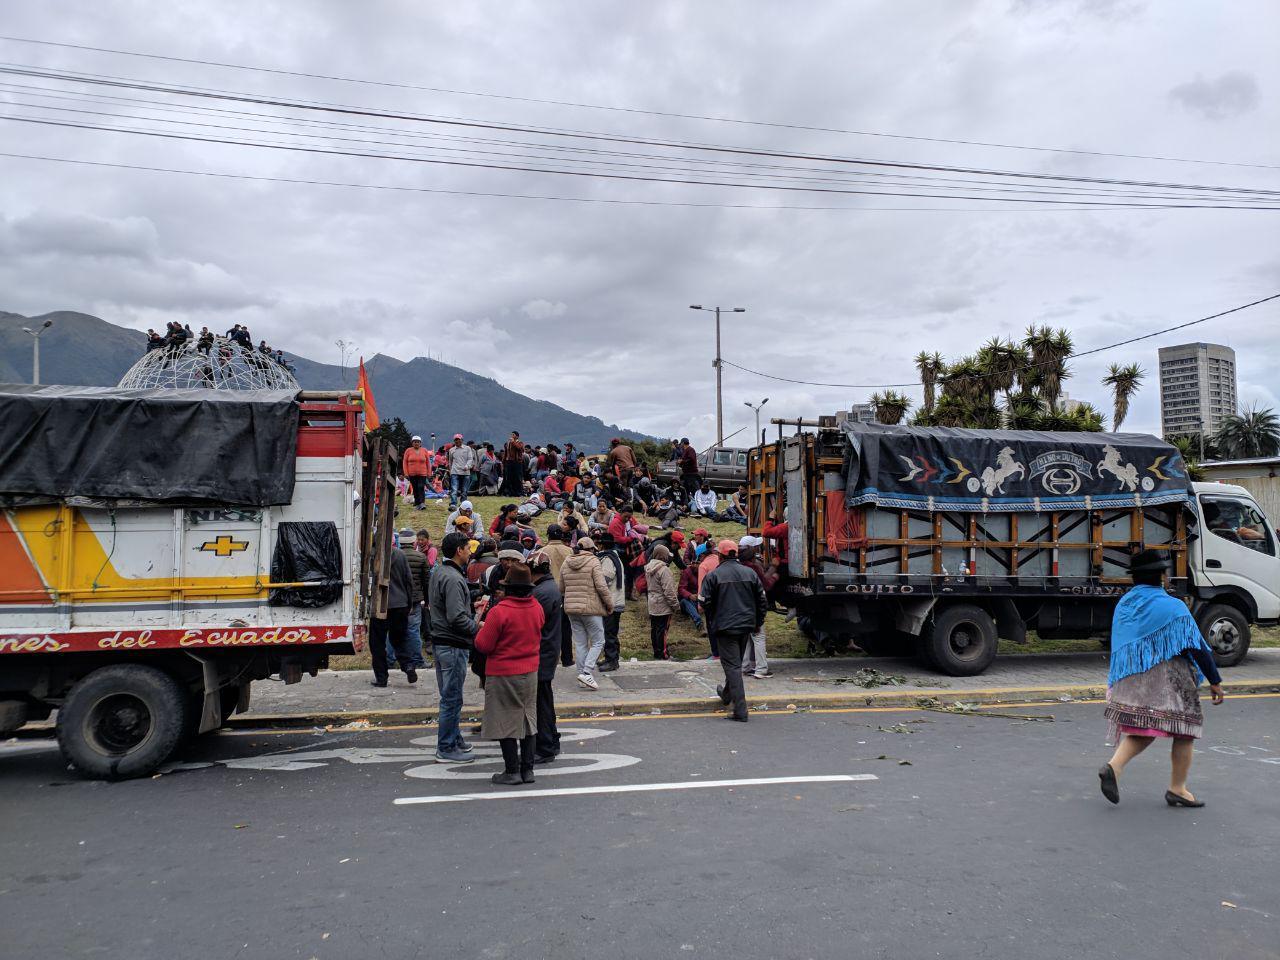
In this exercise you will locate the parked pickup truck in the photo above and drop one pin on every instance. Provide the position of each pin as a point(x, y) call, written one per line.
point(939, 542)
point(723, 467)
point(161, 549)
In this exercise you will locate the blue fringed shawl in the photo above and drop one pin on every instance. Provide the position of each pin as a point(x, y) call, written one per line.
point(1150, 627)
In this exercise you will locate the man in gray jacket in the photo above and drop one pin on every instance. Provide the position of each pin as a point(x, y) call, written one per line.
point(453, 631)
point(462, 460)
point(734, 602)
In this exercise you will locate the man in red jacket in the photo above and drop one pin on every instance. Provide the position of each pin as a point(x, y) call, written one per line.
point(416, 465)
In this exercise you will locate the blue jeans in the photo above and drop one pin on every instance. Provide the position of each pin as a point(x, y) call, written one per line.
point(413, 638)
point(459, 486)
point(451, 673)
point(691, 608)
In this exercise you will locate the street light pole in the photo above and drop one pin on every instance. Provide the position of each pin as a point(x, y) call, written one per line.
point(35, 349)
point(719, 368)
point(757, 407)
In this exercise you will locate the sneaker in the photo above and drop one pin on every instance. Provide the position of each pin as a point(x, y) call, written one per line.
point(507, 779)
point(588, 681)
point(544, 758)
point(454, 756)
point(763, 675)
point(463, 746)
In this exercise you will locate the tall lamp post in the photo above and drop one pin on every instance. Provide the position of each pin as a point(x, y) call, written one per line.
point(35, 349)
point(344, 348)
point(757, 407)
point(719, 368)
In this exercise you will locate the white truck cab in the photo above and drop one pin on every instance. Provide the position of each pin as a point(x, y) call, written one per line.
point(1235, 563)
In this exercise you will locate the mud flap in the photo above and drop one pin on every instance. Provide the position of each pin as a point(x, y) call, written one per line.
point(1009, 623)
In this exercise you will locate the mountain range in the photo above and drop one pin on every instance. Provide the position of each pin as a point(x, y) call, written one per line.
point(430, 396)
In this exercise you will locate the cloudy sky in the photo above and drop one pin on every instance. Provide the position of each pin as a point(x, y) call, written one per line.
point(586, 303)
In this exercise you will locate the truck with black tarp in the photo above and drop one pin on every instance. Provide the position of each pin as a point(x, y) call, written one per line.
point(941, 541)
point(161, 549)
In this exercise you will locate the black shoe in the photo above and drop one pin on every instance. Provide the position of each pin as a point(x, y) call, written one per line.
point(526, 774)
point(1174, 800)
point(411, 675)
point(606, 667)
point(507, 779)
point(544, 758)
point(734, 716)
point(724, 698)
point(377, 683)
point(1111, 789)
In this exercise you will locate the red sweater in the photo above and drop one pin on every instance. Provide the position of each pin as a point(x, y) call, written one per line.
point(510, 637)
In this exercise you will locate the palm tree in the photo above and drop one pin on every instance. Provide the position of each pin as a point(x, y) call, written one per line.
point(890, 407)
point(1189, 447)
point(1086, 418)
point(1124, 382)
point(1002, 361)
point(930, 367)
point(1252, 433)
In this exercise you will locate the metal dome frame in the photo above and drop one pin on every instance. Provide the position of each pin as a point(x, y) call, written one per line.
point(226, 366)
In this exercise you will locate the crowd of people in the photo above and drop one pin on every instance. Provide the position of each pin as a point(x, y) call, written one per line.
point(178, 337)
point(544, 585)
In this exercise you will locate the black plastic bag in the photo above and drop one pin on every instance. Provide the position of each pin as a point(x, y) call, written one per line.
point(307, 551)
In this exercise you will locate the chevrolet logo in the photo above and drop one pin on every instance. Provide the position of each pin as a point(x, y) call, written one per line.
point(224, 546)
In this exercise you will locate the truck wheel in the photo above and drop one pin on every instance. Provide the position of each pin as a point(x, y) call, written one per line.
point(121, 721)
point(1227, 631)
point(961, 641)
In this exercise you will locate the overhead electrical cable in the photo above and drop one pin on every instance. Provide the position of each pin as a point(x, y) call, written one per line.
point(955, 141)
point(469, 123)
point(1074, 356)
point(521, 168)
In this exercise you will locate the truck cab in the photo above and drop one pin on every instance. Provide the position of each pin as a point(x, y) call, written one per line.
point(1236, 565)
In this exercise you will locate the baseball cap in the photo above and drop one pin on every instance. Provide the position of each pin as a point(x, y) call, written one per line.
point(702, 532)
point(465, 505)
point(457, 436)
point(747, 540)
point(406, 533)
point(727, 548)
point(586, 543)
point(415, 437)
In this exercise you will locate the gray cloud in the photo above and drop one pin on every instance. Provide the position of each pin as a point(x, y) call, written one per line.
point(585, 304)
point(1228, 96)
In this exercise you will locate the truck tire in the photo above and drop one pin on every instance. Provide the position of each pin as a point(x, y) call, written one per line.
point(1227, 631)
point(961, 640)
point(121, 721)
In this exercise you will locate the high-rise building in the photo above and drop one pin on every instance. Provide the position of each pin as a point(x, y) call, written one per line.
point(1197, 388)
point(863, 413)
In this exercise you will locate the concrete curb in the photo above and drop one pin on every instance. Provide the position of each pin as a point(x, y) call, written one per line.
point(894, 698)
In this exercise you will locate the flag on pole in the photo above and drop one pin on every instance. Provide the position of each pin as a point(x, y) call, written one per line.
point(371, 420)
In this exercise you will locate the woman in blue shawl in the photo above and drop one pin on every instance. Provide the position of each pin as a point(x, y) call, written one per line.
point(1157, 660)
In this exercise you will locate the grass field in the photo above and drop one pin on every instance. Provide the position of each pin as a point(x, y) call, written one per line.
point(684, 642)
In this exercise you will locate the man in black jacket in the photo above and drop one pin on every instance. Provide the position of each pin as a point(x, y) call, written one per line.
point(453, 631)
point(549, 598)
point(734, 605)
point(421, 572)
point(394, 627)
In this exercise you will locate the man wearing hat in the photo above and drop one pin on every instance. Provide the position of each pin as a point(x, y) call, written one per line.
point(420, 570)
point(465, 509)
point(734, 604)
point(416, 465)
point(461, 460)
point(547, 593)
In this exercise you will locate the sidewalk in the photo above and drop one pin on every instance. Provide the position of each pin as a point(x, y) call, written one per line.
point(337, 697)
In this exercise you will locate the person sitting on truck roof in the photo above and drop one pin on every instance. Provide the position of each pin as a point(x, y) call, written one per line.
point(704, 503)
point(453, 629)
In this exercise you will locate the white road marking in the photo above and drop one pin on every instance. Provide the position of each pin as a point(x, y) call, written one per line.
point(633, 788)
point(566, 763)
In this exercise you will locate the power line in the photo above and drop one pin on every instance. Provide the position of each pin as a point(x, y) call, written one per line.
point(1074, 356)
point(1075, 193)
point(626, 110)
point(519, 168)
point(524, 196)
point(232, 96)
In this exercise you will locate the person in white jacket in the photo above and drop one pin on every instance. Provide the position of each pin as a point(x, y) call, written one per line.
point(703, 503)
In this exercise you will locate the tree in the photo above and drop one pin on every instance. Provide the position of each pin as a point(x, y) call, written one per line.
point(1124, 382)
point(1252, 433)
point(1189, 448)
point(1049, 350)
point(930, 367)
point(890, 407)
point(395, 432)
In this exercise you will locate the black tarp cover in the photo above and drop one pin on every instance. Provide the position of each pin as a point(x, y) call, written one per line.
point(952, 468)
point(307, 550)
point(167, 446)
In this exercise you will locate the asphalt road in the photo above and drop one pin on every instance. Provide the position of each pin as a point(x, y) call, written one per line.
point(993, 842)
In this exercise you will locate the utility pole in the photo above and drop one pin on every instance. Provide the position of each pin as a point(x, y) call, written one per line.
point(756, 407)
point(719, 368)
point(35, 349)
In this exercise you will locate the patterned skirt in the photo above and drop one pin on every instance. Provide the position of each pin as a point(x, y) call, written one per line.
point(1163, 700)
point(510, 707)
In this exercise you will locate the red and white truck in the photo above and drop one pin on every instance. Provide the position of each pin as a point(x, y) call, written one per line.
point(162, 549)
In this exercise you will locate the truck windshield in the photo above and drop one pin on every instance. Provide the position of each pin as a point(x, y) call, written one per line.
point(1238, 521)
point(722, 458)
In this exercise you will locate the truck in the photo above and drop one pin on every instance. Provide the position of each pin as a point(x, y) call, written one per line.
point(162, 549)
point(939, 542)
point(724, 468)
